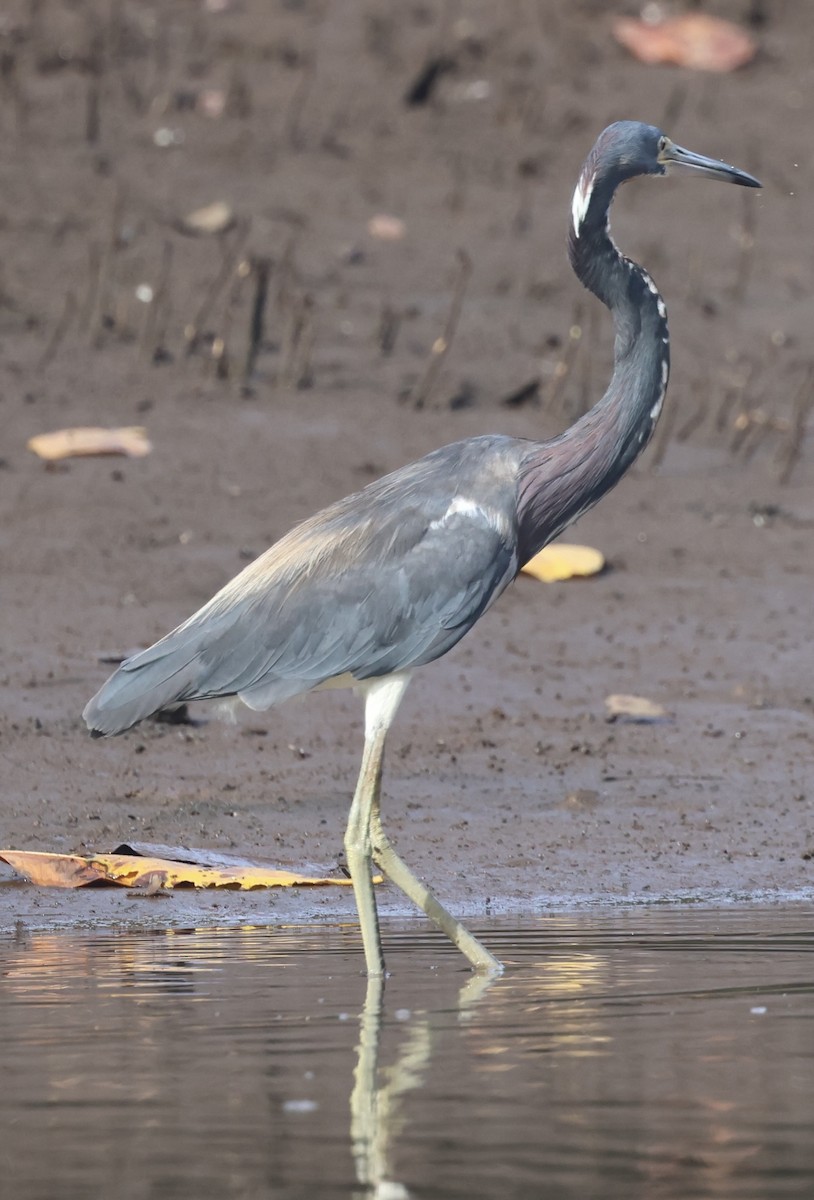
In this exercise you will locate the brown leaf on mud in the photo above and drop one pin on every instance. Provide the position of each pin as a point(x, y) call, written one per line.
point(693, 40)
point(130, 869)
point(564, 561)
point(634, 708)
point(129, 440)
point(51, 870)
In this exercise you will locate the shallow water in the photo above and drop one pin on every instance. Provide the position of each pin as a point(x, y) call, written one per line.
point(656, 1053)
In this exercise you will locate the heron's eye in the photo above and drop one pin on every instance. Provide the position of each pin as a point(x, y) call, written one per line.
point(662, 144)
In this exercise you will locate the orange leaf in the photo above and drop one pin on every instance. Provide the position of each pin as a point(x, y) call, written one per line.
point(137, 871)
point(693, 40)
point(564, 561)
point(51, 870)
point(130, 440)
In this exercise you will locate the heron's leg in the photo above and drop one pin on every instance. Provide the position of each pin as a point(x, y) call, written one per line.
point(397, 870)
point(382, 698)
point(366, 839)
point(358, 850)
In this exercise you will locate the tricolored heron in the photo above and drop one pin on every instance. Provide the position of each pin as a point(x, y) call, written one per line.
point(392, 577)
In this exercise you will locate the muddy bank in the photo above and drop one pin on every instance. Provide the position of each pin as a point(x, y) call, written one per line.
point(504, 779)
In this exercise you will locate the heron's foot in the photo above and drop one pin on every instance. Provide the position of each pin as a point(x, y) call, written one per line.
point(483, 962)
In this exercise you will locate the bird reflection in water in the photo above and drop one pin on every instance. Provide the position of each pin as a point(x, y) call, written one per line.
point(375, 1120)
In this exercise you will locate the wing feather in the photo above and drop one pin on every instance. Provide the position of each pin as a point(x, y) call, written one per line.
point(360, 590)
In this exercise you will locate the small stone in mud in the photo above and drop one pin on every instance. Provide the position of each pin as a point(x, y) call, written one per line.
point(583, 798)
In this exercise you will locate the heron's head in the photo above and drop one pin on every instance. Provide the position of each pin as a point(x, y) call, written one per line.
point(629, 148)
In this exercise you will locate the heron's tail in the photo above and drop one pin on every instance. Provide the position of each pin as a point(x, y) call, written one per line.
point(212, 654)
point(142, 685)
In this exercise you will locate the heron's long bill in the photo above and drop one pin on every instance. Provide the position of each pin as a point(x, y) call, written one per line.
point(676, 158)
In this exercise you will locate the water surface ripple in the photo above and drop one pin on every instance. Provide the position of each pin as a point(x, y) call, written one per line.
point(651, 1053)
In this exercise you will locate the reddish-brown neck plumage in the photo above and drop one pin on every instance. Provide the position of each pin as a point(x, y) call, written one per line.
point(563, 478)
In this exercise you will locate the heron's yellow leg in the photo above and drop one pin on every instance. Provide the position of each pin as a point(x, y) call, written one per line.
point(365, 840)
point(397, 870)
point(358, 850)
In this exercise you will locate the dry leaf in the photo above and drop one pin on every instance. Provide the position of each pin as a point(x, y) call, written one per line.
point(130, 440)
point(212, 218)
point(635, 708)
point(386, 229)
point(693, 40)
point(564, 561)
point(139, 871)
point(51, 870)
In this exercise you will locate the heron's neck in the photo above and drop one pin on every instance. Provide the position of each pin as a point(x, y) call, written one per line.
point(563, 478)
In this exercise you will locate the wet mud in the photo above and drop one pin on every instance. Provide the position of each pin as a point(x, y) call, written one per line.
point(289, 359)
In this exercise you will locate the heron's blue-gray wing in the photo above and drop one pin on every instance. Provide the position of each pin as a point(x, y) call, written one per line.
point(349, 592)
point(409, 597)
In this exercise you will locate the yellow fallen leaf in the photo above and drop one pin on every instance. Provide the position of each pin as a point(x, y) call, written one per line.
point(130, 440)
point(564, 561)
point(693, 40)
point(634, 708)
point(137, 871)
